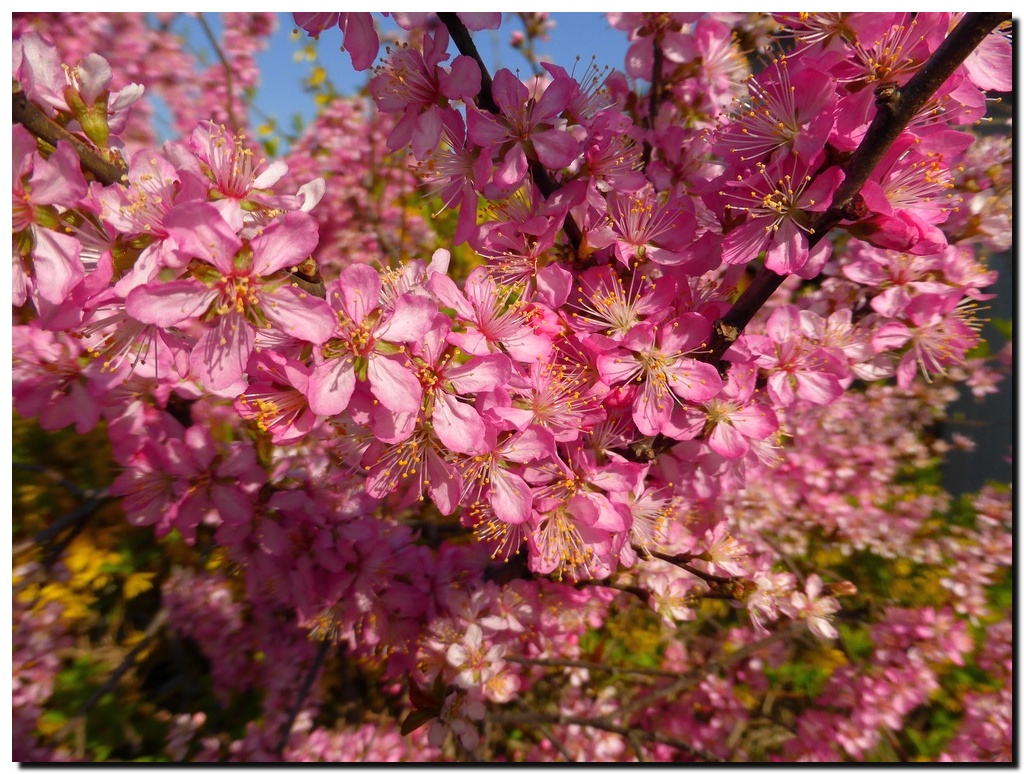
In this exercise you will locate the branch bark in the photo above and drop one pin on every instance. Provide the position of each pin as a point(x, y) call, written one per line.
point(307, 686)
point(45, 128)
point(485, 101)
point(896, 108)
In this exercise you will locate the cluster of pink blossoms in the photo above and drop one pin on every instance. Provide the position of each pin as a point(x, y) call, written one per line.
point(520, 401)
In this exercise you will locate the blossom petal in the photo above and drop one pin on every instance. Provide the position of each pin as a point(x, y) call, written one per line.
point(510, 497)
point(286, 243)
point(458, 425)
point(222, 352)
point(169, 303)
point(299, 314)
point(394, 385)
point(330, 386)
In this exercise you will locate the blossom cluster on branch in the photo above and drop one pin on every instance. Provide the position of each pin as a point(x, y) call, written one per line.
point(456, 455)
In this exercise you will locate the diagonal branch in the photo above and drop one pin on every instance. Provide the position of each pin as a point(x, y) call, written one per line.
point(485, 101)
point(632, 735)
point(896, 108)
point(228, 72)
point(693, 678)
point(45, 128)
point(307, 685)
point(152, 630)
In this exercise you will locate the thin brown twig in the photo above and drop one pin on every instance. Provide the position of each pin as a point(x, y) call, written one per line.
point(129, 660)
point(602, 724)
point(559, 663)
point(228, 72)
point(307, 686)
point(693, 678)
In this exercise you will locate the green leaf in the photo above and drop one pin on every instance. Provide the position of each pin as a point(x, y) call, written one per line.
point(1005, 327)
point(415, 719)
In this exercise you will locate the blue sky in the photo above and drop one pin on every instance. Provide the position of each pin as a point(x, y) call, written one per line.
point(280, 94)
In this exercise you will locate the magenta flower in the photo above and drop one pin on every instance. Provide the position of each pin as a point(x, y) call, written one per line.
point(457, 422)
point(645, 29)
point(794, 364)
point(359, 36)
point(414, 84)
point(605, 306)
point(418, 466)
point(810, 606)
point(646, 228)
point(492, 325)
point(526, 128)
point(733, 418)
point(366, 343)
point(940, 331)
point(792, 112)
point(39, 186)
point(655, 356)
point(453, 171)
point(276, 397)
point(235, 289)
point(487, 477)
point(776, 201)
point(555, 396)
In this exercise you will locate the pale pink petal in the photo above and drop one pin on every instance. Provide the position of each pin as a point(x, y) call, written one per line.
point(222, 352)
point(411, 317)
point(442, 483)
point(458, 425)
point(288, 242)
point(510, 497)
point(727, 441)
point(532, 444)
point(651, 410)
point(169, 303)
point(819, 388)
point(480, 374)
point(394, 385)
point(618, 366)
point(300, 315)
point(330, 386)
point(55, 264)
point(201, 232)
point(359, 287)
point(694, 380)
point(480, 20)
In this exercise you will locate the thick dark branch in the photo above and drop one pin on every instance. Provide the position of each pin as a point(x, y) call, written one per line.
point(485, 101)
point(654, 97)
point(32, 118)
point(896, 107)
